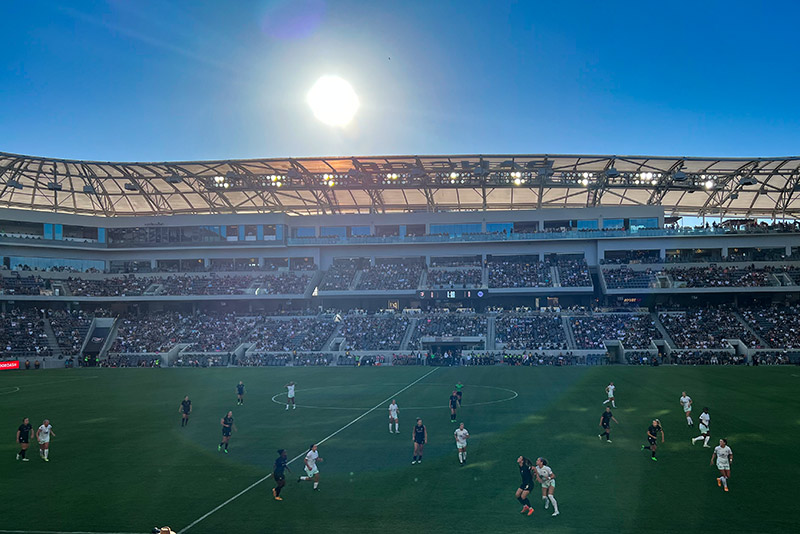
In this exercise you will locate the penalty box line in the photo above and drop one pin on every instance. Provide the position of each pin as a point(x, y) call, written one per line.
point(323, 440)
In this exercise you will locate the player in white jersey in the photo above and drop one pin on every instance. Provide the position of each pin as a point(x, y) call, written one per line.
point(290, 396)
point(546, 477)
point(312, 473)
point(393, 409)
point(461, 435)
point(705, 425)
point(610, 391)
point(686, 402)
point(724, 457)
point(43, 435)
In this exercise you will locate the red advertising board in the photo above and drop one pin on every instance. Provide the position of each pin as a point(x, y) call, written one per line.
point(13, 364)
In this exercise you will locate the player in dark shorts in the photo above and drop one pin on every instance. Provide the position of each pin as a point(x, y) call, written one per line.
point(24, 439)
point(459, 387)
point(420, 437)
point(652, 434)
point(227, 428)
point(526, 472)
point(185, 409)
point(278, 473)
point(240, 393)
point(453, 406)
point(605, 421)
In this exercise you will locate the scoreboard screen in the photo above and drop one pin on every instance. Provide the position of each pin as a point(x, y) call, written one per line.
point(444, 294)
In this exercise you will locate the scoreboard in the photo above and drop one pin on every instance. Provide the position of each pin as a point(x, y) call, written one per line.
point(444, 294)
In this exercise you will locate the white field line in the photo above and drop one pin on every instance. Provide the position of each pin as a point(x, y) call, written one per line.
point(302, 454)
point(58, 532)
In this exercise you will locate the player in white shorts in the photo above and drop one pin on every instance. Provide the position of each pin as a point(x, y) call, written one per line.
point(312, 473)
point(393, 409)
point(43, 434)
point(705, 425)
point(546, 477)
point(461, 435)
point(290, 396)
point(686, 402)
point(610, 391)
point(724, 456)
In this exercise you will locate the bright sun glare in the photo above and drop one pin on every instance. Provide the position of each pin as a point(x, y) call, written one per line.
point(333, 101)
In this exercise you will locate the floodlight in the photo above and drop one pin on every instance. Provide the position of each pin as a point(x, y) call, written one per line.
point(679, 176)
point(14, 183)
point(173, 179)
point(130, 186)
point(54, 186)
point(710, 184)
point(88, 189)
point(611, 172)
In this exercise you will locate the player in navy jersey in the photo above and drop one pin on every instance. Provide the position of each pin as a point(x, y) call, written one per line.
point(419, 435)
point(186, 409)
point(526, 472)
point(605, 421)
point(652, 434)
point(24, 439)
point(239, 393)
point(453, 406)
point(278, 473)
point(227, 428)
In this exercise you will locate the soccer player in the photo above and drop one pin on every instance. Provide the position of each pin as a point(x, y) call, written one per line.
point(453, 406)
point(610, 392)
point(43, 435)
point(419, 435)
point(705, 426)
point(290, 396)
point(605, 421)
point(240, 393)
point(278, 473)
point(461, 435)
point(546, 477)
point(24, 438)
point(393, 409)
point(459, 387)
point(724, 456)
point(227, 428)
point(185, 408)
point(686, 402)
point(312, 473)
point(526, 472)
point(652, 433)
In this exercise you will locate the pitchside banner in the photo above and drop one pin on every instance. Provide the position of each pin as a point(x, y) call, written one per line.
point(13, 364)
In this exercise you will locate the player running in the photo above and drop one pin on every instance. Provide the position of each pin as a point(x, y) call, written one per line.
point(312, 473)
point(459, 387)
point(393, 409)
point(686, 402)
point(526, 472)
point(453, 406)
point(610, 392)
point(419, 435)
point(605, 421)
point(724, 456)
point(185, 408)
point(652, 433)
point(290, 396)
point(461, 435)
point(43, 435)
point(546, 477)
point(24, 438)
point(240, 393)
point(705, 426)
point(278, 473)
point(227, 429)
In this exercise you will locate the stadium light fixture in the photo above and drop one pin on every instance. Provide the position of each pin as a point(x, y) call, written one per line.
point(89, 190)
point(679, 176)
point(54, 186)
point(748, 180)
point(130, 186)
point(15, 184)
point(611, 172)
point(710, 184)
point(174, 179)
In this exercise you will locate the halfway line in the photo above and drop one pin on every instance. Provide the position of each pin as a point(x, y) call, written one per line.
point(259, 481)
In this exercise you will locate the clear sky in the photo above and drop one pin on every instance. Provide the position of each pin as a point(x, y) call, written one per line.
point(144, 80)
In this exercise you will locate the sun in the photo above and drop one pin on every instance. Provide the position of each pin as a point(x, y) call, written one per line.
point(333, 101)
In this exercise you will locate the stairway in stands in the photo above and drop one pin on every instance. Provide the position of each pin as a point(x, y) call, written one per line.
point(51, 338)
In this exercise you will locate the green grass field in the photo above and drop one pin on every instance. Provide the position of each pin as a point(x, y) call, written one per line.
point(120, 461)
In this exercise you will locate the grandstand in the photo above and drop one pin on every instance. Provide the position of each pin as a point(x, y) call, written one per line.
point(391, 259)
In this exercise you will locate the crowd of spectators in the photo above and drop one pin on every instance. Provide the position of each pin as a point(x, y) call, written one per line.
point(625, 277)
point(373, 332)
point(708, 357)
point(519, 273)
point(455, 278)
point(122, 286)
point(451, 325)
point(574, 273)
point(340, 276)
point(70, 329)
point(541, 359)
point(776, 357)
point(22, 285)
point(634, 331)
point(204, 285)
point(391, 276)
point(640, 357)
point(284, 284)
point(22, 334)
point(779, 326)
point(706, 328)
point(716, 276)
point(530, 332)
point(300, 334)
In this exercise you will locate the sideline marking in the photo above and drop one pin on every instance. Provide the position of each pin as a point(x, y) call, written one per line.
point(436, 407)
point(59, 532)
point(16, 388)
point(262, 479)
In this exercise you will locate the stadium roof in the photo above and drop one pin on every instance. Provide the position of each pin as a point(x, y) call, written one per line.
point(730, 187)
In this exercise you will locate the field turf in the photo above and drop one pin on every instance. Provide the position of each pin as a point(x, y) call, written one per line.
point(121, 462)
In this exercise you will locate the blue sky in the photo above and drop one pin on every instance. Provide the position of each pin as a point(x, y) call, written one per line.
point(152, 81)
